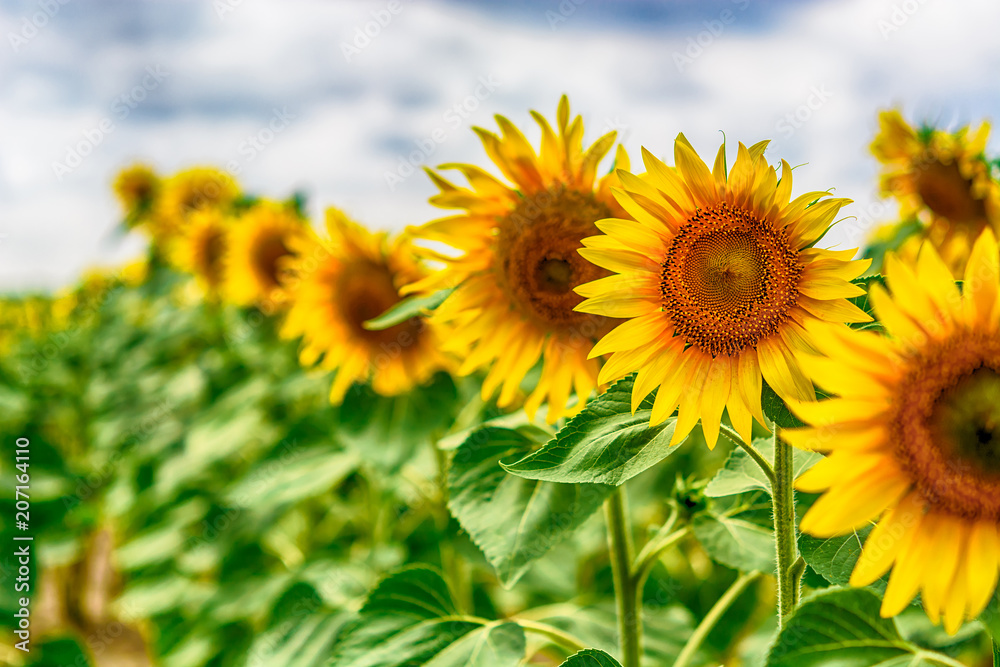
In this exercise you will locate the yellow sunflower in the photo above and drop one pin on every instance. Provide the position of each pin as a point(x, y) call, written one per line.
point(914, 436)
point(516, 261)
point(136, 188)
point(341, 283)
point(201, 247)
point(259, 254)
point(718, 282)
point(188, 191)
point(943, 179)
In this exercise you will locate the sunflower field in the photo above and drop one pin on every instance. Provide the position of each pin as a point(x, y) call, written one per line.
point(609, 410)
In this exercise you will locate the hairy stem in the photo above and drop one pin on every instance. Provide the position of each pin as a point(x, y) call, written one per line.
point(626, 595)
point(782, 497)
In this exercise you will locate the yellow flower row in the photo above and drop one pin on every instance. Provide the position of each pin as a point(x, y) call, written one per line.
point(705, 281)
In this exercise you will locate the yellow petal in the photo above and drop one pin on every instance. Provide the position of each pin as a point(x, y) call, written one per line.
point(645, 330)
point(982, 563)
point(714, 398)
point(848, 507)
point(982, 282)
point(894, 530)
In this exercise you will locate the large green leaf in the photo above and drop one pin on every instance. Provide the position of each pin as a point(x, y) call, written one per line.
point(741, 473)
point(513, 520)
point(410, 620)
point(833, 558)
point(411, 306)
point(604, 444)
point(591, 657)
point(842, 627)
point(275, 482)
point(736, 542)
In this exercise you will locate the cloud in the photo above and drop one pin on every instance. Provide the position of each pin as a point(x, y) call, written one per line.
point(809, 75)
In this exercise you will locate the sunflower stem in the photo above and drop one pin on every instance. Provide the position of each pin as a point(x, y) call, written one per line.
point(783, 502)
point(626, 592)
point(712, 617)
point(752, 451)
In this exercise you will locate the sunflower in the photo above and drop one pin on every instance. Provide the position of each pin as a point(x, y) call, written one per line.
point(516, 261)
point(136, 188)
point(340, 284)
point(200, 249)
point(259, 255)
point(718, 282)
point(943, 179)
point(186, 192)
point(915, 436)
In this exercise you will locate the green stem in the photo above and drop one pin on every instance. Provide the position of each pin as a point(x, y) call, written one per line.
point(996, 654)
point(626, 595)
point(647, 558)
point(713, 616)
point(782, 497)
point(752, 451)
point(557, 636)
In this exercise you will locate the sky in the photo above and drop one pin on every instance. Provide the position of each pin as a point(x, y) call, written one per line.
point(340, 99)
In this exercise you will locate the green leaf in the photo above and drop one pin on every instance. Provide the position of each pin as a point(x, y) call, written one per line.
point(604, 444)
point(775, 408)
point(410, 620)
point(411, 306)
point(513, 520)
point(275, 482)
point(741, 473)
point(842, 627)
point(990, 617)
point(736, 543)
point(863, 302)
point(591, 657)
point(833, 558)
point(490, 646)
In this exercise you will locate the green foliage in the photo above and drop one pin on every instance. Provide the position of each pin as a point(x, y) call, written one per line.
point(591, 658)
point(741, 473)
point(843, 627)
point(410, 620)
point(736, 542)
point(513, 520)
point(411, 306)
point(604, 444)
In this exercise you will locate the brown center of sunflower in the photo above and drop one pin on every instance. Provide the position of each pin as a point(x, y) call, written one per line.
point(728, 279)
point(210, 256)
point(268, 252)
point(537, 260)
point(365, 290)
point(946, 192)
point(945, 422)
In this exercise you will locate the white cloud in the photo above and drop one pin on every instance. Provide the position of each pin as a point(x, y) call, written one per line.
point(355, 120)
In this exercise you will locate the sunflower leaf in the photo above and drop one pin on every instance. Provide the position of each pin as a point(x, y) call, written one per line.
point(604, 444)
point(842, 626)
point(741, 473)
point(864, 303)
point(591, 657)
point(410, 620)
point(735, 542)
point(411, 306)
point(513, 520)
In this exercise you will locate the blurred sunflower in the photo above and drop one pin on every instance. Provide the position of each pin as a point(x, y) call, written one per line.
point(356, 278)
point(941, 178)
point(188, 191)
point(517, 263)
point(915, 436)
point(259, 255)
point(136, 188)
point(201, 247)
point(719, 282)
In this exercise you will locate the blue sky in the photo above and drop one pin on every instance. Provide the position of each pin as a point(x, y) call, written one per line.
point(179, 84)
